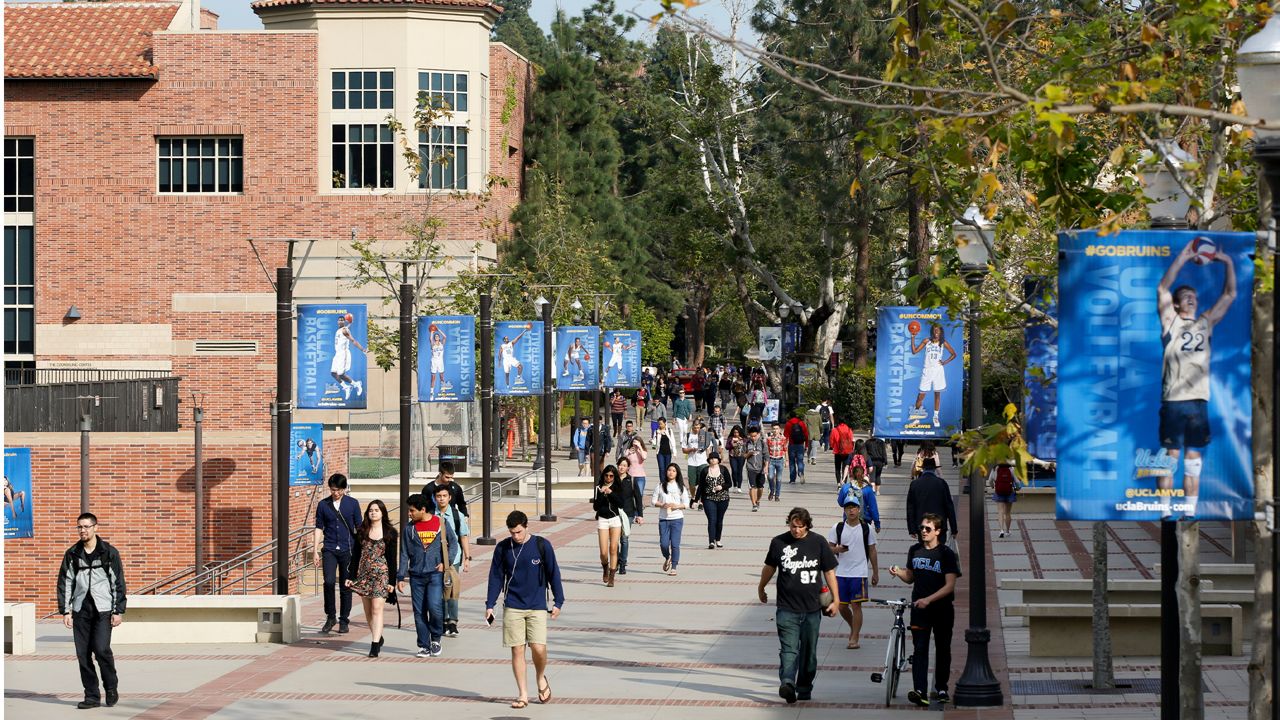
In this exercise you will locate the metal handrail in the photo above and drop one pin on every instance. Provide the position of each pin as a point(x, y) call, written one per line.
point(214, 577)
point(496, 489)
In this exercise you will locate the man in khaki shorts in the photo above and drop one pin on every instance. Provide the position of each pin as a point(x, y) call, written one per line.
point(523, 571)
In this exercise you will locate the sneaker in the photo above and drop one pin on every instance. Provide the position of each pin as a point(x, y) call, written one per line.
point(666, 565)
point(359, 387)
point(755, 508)
point(451, 629)
point(87, 704)
point(943, 697)
point(1001, 533)
point(343, 627)
point(718, 544)
point(711, 546)
point(328, 625)
point(346, 391)
point(915, 697)
point(435, 650)
point(787, 692)
point(423, 653)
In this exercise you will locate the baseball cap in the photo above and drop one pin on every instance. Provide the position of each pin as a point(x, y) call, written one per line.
point(852, 500)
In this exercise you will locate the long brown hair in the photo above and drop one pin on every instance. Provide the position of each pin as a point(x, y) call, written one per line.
point(388, 530)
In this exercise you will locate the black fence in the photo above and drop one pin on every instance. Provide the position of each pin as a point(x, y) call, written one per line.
point(115, 400)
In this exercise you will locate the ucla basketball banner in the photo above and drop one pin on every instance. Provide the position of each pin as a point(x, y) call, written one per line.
point(306, 456)
point(1154, 400)
point(333, 367)
point(576, 359)
point(1040, 379)
point(621, 360)
point(919, 373)
point(517, 357)
point(17, 494)
point(446, 358)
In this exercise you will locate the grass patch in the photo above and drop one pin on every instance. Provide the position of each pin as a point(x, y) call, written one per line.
point(373, 467)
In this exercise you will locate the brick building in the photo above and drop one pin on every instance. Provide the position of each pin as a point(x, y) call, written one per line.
point(143, 153)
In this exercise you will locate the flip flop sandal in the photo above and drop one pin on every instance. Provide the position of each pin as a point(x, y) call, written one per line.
point(520, 704)
point(544, 699)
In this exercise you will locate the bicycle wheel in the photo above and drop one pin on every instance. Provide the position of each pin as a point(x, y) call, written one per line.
point(892, 663)
point(903, 658)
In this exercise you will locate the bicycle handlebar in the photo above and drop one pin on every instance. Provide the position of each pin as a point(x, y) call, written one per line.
point(893, 603)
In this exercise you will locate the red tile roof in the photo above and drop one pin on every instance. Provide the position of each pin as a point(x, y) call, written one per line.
point(483, 4)
point(77, 40)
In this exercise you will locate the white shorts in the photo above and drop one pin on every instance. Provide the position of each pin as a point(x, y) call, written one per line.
point(933, 379)
point(509, 364)
point(606, 523)
point(616, 362)
point(341, 363)
point(437, 364)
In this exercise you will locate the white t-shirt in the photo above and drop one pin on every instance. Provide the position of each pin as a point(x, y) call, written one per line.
point(677, 496)
point(699, 454)
point(853, 563)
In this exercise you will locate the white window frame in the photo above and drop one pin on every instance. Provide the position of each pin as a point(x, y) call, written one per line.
point(385, 152)
point(380, 91)
point(15, 307)
point(445, 75)
point(432, 149)
point(14, 158)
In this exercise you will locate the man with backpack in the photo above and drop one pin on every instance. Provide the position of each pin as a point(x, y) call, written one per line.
point(1004, 491)
point(877, 456)
point(797, 432)
point(854, 544)
point(826, 416)
point(523, 572)
point(841, 448)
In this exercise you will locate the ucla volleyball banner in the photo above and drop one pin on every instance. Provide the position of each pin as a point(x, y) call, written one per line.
point(1154, 400)
point(333, 367)
point(621, 358)
point(306, 454)
point(446, 358)
point(1040, 379)
point(919, 373)
point(18, 521)
point(576, 360)
point(517, 357)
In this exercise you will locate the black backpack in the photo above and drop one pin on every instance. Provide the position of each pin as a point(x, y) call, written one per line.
point(508, 570)
point(866, 538)
point(797, 434)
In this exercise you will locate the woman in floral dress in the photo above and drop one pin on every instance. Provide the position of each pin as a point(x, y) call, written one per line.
point(373, 565)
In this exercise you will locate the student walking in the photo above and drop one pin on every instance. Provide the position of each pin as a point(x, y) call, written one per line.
point(798, 443)
point(92, 599)
point(459, 559)
point(713, 493)
point(932, 569)
point(854, 544)
point(878, 456)
point(805, 567)
point(929, 493)
point(756, 456)
point(1004, 491)
point(420, 571)
point(607, 502)
point(632, 498)
point(664, 444)
point(671, 498)
point(776, 446)
point(336, 520)
point(373, 567)
point(524, 573)
point(696, 445)
point(636, 455)
point(842, 446)
point(736, 446)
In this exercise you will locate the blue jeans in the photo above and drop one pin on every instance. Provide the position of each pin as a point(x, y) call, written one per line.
point(624, 544)
point(669, 539)
point(639, 481)
point(663, 462)
point(715, 510)
point(428, 607)
point(798, 656)
point(735, 469)
point(775, 476)
point(795, 451)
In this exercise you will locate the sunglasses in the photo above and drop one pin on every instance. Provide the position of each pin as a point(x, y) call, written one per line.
point(926, 528)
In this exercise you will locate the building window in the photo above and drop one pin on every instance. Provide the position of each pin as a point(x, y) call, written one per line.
point(19, 290)
point(363, 90)
point(444, 90)
point(19, 174)
point(363, 156)
point(200, 165)
point(443, 150)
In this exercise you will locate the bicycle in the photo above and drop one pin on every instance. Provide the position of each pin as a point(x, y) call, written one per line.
point(896, 659)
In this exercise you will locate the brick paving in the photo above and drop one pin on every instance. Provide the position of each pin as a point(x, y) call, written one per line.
point(651, 646)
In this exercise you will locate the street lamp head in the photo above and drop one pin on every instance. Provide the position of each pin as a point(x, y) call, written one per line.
point(577, 305)
point(1167, 202)
point(539, 303)
point(972, 235)
point(1258, 67)
point(784, 311)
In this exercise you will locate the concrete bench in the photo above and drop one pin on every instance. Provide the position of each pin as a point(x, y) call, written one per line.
point(1038, 500)
point(1048, 591)
point(19, 628)
point(1066, 629)
point(210, 619)
point(1227, 576)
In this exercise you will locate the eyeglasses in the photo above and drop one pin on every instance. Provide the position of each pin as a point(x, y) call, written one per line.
point(86, 527)
point(926, 528)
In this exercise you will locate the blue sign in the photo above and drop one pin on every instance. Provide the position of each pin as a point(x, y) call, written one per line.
point(919, 373)
point(621, 358)
point(517, 358)
point(577, 358)
point(790, 338)
point(17, 494)
point(332, 367)
point(1154, 398)
point(447, 358)
point(1040, 381)
point(306, 454)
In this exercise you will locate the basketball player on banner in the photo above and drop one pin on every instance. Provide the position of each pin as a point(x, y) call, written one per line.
point(1184, 407)
point(341, 365)
point(437, 359)
point(932, 378)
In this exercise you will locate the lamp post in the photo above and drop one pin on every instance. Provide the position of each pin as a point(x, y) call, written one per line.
point(544, 434)
point(977, 686)
point(576, 306)
point(1258, 69)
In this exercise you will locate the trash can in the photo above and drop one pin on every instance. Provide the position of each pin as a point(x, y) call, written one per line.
point(456, 454)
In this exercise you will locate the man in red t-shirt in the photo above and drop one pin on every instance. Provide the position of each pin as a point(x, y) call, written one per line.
point(842, 448)
point(798, 441)
point(421, 570)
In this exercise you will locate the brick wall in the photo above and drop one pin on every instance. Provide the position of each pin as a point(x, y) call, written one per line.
point(143, 495)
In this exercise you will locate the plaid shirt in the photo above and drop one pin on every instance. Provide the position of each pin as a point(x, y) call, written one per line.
point(777, 446)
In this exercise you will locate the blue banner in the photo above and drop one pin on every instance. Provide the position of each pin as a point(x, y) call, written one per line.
point(790, 338)
point(332, 365)
point(919, 373)
point(306, 455)
point(517, 357)
point(17, 494)
point(621, 358)
point(1154, 396)
point(576, 361)
point(447, 358)
point(1040, 380)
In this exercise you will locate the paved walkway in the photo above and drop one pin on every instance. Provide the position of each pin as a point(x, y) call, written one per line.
point(653, 646)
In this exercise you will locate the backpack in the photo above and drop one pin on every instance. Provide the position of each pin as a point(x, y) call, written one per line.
point(844, 443)
point(797, 433)
point(866, 538)
point(509, 570)
point(1004, 484)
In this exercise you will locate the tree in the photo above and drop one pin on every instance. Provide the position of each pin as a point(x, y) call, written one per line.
point(515, 28)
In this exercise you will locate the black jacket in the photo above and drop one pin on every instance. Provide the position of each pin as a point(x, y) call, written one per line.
point(608, 506)
point(929, 493)
point(392, 555)
point(102, 577)
point(632, 502)
point(455, 491)
point(875, 451)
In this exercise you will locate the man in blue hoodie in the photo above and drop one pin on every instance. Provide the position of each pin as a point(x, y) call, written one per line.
point(524, 571)
point(422, 566)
